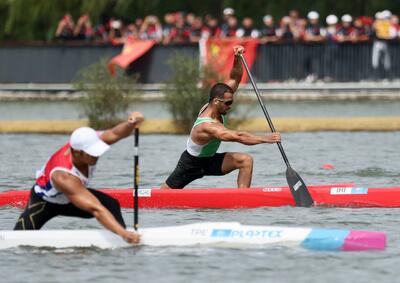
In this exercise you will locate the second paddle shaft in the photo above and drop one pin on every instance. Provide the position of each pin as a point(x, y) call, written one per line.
point(136, 181)
point(271, 125)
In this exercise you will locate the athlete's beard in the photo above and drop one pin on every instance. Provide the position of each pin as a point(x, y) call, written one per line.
point(93, 161)
point(223, 112)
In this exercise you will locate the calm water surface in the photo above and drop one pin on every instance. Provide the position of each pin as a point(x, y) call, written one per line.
point(369, 159)
point(17, 110)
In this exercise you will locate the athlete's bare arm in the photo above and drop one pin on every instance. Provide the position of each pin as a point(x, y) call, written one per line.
point(124, 129)
point(79, 196)
point(237, 70)
point(218, 131)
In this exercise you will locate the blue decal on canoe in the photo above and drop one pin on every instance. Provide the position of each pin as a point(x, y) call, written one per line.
point(325, 239)
point(247, 234)
point(221, 233)
point(359, 191)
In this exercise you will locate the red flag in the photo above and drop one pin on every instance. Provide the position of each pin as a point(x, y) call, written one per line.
point(219, 53)
point(133, 49)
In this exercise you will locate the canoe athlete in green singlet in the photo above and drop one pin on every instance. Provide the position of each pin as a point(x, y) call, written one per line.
point(200, 157)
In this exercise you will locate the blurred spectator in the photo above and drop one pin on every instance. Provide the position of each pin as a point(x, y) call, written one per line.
point(83, 29)
point(211, 28)
point(285, 31)
point(231, 27)
point(131, 32)
point(189, 19)
point(331, 51)
point(65, 28)
point(101, 32)
point(294, 18)
point(383, 34)
point(361, 32)
point(151, 29)
point(269, 31)
point(227, 14)
point(395, 26)
point(115, 35)
point(331, 29)
point(297, 25)
point(168, 27)
point(138, 23)
point(181, 32)
point(314, 32)
point(367, 22)
point(196, 30)
point(247, 29)
point(346, 30)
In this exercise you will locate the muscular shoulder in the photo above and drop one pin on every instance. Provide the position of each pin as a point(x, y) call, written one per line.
point(211, 128)
point(205, 131)
point(209, 124)
point(64, 180)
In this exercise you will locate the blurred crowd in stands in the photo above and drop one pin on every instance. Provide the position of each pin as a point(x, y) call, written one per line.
point(181, 27)
point(177, 28)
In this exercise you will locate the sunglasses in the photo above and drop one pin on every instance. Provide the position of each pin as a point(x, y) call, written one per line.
point(227, 102)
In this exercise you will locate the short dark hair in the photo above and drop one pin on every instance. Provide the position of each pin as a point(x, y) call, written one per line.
point(218, 90)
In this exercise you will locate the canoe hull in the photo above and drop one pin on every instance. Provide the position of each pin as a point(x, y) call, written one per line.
point(334, 195)
point(216, 234)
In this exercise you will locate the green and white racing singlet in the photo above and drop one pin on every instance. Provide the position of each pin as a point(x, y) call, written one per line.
point(204, 150)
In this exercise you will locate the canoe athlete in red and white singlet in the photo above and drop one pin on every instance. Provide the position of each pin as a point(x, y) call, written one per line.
point(61, 185)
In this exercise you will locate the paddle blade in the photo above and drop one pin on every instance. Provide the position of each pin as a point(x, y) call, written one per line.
point(298, 188)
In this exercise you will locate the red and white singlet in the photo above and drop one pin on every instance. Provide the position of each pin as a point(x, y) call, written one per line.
point(61, 160)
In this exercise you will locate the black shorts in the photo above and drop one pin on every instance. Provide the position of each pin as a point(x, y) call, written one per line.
point(190, 168)
point(39, 211)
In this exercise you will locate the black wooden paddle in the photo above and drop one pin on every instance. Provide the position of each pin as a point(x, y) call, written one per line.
point(136, 181)
point(297, 186)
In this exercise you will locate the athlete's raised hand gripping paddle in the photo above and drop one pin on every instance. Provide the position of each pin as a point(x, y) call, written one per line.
point(297, 186)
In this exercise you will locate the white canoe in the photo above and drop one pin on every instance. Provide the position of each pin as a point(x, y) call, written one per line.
point(217, 234)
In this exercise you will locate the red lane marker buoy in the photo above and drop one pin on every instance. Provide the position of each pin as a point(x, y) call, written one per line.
point(327, 166)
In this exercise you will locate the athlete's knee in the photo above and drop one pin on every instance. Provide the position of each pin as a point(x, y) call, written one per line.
point(245, 161)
